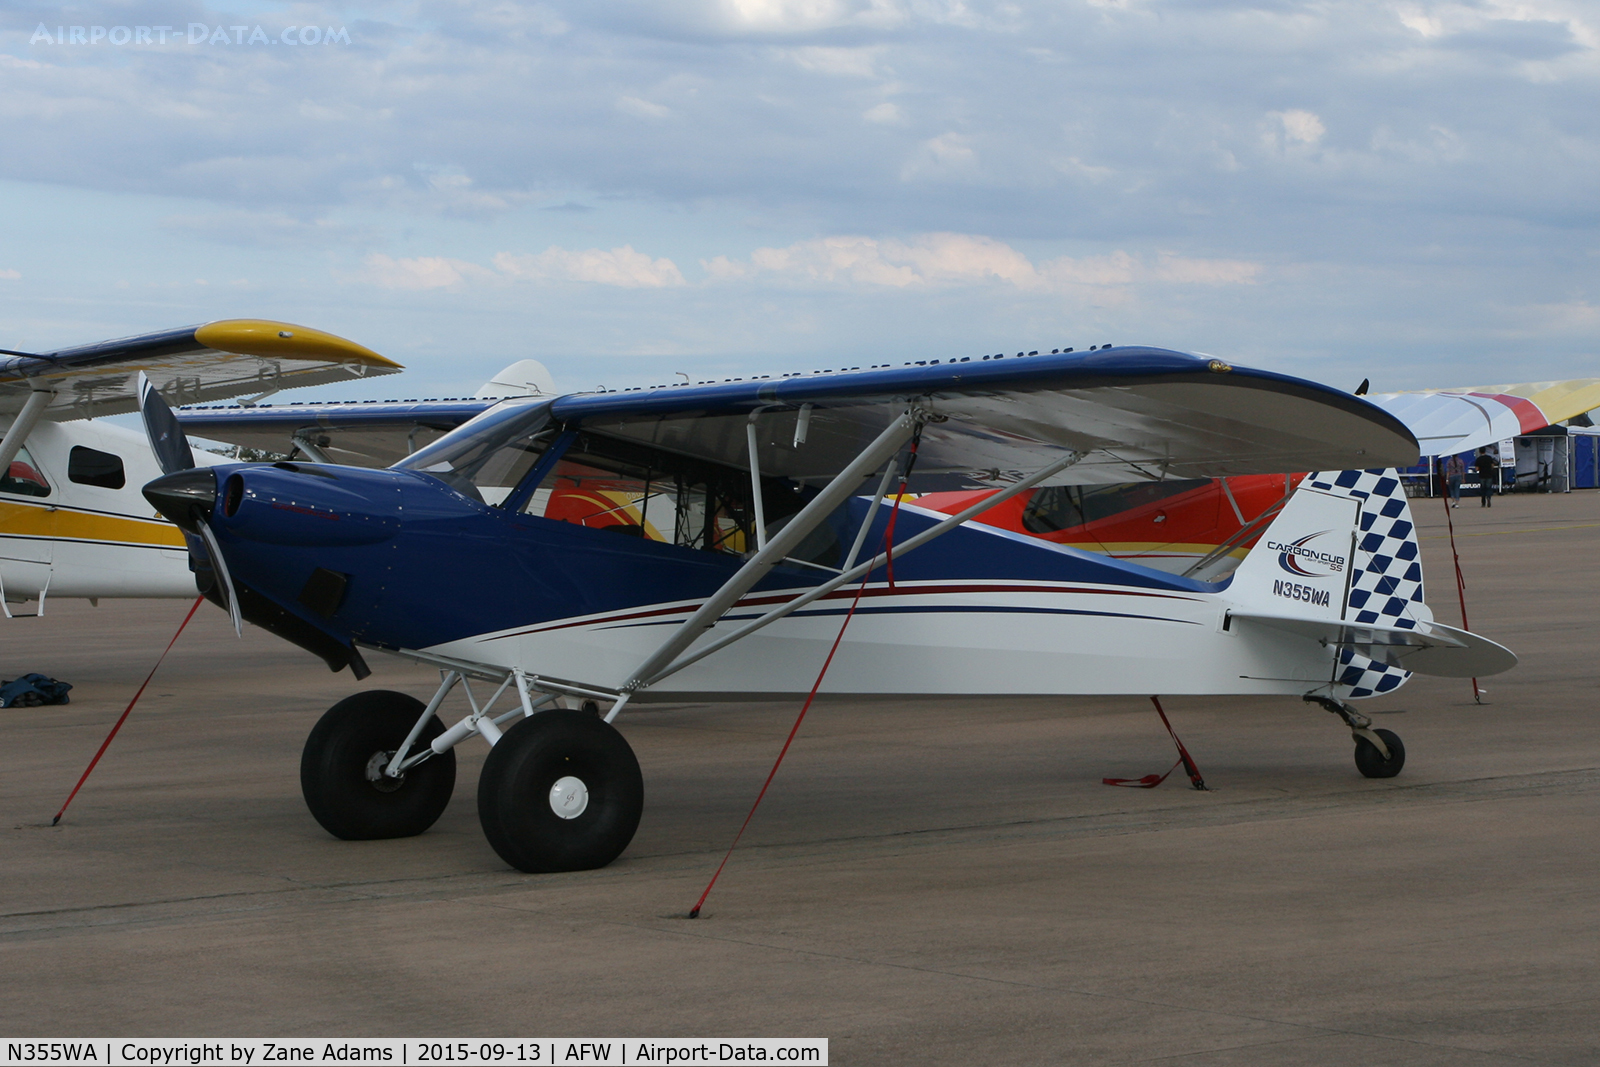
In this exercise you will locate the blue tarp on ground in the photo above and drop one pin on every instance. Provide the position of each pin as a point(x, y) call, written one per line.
point(33, 690)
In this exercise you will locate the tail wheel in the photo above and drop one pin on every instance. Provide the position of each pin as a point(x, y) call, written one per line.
point(1371, 762)
point(341, 769)
point(561, 791)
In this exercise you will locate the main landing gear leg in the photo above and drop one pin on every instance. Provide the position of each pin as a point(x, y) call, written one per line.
point(1379, 753)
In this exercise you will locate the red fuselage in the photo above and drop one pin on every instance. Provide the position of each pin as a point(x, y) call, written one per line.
point(1167, 525)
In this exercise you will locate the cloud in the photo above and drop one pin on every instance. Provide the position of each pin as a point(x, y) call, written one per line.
point(941, 260)
point(944, 156)
point(622, 267)
point(10, 275)
point(420, 272)
point(1171, 267)
point(1301, 126)
point(449, 189)
point(643, 109)
point(1418, 159)
point(789, 16)
point(270, 229)
point(838, 62)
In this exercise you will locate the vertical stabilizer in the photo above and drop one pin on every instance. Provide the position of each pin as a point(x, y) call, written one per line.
point(1301, 566)
point(1344, 548)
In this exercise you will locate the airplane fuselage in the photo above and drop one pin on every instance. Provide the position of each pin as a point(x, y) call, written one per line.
point(335, 557)
point(73, 522)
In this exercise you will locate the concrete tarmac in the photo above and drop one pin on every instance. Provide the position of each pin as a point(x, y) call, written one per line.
point(931, 882)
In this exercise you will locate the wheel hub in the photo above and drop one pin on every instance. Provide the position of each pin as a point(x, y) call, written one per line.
point(380, 781)
point(569, 797)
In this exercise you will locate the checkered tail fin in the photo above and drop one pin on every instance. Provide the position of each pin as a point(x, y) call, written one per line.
point(1344, 549)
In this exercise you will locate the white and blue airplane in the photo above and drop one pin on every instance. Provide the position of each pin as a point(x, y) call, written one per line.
point(711, 542)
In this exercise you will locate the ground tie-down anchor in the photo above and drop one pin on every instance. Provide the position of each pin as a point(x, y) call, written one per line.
point(1150, 781)
point(1360, 725)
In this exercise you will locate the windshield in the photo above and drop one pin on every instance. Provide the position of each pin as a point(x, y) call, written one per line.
point(487, 456)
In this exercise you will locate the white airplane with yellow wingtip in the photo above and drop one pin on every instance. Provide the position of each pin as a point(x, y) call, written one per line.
point(72, 520)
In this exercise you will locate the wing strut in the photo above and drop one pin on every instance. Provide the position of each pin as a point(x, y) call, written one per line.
point(23, 425)
point(836, 492)
point(755, 485)
point(643, 678)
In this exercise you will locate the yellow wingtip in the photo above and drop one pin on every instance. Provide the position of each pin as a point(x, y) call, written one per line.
point(285, 340)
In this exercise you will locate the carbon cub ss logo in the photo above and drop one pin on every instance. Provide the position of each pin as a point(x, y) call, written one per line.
point(1305, 562)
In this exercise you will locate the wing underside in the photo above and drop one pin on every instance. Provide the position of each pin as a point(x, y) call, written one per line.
point(1135, 414)
point(364, 434)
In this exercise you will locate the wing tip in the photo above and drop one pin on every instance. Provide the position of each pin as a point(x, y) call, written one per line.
point(286, 340)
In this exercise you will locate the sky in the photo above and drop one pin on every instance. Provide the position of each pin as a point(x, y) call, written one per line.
point(630, 190)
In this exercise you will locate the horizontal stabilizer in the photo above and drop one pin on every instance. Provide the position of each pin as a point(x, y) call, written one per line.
point(1429, 648)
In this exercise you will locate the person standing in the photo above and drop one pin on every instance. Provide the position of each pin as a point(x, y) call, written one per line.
point(1454, 471)
point(1488, 468)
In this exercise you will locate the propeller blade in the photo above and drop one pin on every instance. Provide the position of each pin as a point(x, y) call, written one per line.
point(219, 566)
point(161, 426)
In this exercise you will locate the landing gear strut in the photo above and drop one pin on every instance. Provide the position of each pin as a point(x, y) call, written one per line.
point(1379, 753)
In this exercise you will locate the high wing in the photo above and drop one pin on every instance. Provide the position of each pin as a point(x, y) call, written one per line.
point(360, 434)
point(214, 361)
point(1139, 414)
point(1133, 413)
point(1446, 421)
point(366, 433)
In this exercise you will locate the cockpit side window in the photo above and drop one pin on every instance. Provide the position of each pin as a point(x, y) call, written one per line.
point(90, 466)
point(23, 477)
point(627, 488)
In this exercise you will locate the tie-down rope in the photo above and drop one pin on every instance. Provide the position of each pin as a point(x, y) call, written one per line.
point(1461, 583)
point(888, 540)
point(125, 711)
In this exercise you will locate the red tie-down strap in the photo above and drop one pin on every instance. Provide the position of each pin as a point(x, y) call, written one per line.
point(1150, 781)
point(128, 710)
point(888, 551)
